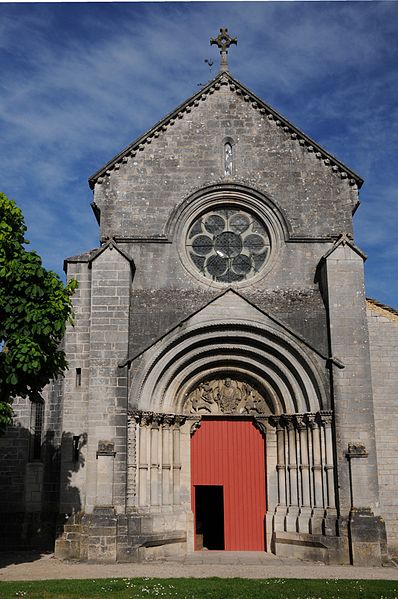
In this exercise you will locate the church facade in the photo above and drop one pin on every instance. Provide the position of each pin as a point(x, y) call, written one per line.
point(229, 385)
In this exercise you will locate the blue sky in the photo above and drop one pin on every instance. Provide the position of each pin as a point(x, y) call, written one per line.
point(79, 82)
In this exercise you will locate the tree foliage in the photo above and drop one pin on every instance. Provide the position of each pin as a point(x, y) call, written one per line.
point(35, 307)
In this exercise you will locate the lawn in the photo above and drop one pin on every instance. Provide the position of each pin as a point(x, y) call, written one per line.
point(202, 588)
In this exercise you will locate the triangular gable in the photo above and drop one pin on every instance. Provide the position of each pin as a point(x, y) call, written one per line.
point(345, 239)
point(225, 78)
point(91, 255)
point(215, 311)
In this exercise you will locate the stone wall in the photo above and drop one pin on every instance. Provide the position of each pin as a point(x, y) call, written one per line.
point(29, 473)
point(138, 197)
point(383, 333)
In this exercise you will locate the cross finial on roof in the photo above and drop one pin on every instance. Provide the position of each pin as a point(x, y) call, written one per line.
point(223, 41)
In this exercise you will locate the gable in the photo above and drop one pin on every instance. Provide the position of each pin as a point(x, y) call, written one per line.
point(137, 193)
point(223, 78)
point(228, 306)
point(227, 333)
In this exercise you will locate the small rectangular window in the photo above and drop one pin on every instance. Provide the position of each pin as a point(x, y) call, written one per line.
point(76, 448)
point(78, 377)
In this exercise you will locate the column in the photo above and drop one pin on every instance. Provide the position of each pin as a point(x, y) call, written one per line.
point(293, 509)
point(305, 484)
point(330, 523)
point(132, 461)
point(176, 461)
point(166, 461)
point(155, 462)
point(280, 512)
point(143, 459)
point(271, 460)
point(317, 498)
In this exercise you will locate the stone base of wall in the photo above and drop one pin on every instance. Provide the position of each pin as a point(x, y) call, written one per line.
point(368, 539)
point(106, 537)
point(362, 541)
point(311, 547)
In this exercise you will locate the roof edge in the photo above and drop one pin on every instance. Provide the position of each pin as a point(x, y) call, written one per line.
point(374, 304)
point(345, 239)
point(225, 78)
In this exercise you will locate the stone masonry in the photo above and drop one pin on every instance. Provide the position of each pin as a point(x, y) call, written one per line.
point(157, 347)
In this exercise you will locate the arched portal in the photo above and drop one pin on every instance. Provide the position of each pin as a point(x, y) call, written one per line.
point(248, 374)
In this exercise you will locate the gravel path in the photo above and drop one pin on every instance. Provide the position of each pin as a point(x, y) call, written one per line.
point(34, 566)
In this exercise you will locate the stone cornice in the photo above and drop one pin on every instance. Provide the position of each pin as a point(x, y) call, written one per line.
point(225, 79)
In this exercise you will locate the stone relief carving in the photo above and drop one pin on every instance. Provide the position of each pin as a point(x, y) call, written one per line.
point(106, 448)
point(357, 449)
point(226, 396)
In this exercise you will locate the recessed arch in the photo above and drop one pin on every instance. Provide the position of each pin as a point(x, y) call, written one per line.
point(245, 195)
point(287, 370)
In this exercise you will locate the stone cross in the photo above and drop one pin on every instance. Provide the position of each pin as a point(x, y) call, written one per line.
point(223, 41)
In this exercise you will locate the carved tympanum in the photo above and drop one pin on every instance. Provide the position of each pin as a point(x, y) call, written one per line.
point(226, 396)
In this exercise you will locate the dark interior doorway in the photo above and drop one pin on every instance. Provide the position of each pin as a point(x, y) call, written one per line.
point(209, 500)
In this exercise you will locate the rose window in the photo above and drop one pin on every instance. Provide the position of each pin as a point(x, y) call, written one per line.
point(228, 245)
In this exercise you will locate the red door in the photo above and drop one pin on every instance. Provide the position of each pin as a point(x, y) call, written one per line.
point(230, 453)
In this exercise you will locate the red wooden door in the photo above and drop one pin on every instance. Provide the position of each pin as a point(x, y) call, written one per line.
point(231, 453)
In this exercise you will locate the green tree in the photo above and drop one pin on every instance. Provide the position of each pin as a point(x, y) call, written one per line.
point(35, 307)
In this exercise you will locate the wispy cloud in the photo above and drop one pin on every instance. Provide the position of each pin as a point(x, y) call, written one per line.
point(81, 81)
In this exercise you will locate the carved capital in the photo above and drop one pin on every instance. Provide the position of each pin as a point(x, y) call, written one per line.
point(288, 422)
point(300, 422)
point(275, 421)
point(326, 418)
point(179, 420)
point(146, 418)
point(260, 424)
point(168, 420)
point(311, 421)
point(195, 426)
point(157, 419)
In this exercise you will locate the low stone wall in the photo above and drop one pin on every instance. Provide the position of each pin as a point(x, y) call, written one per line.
point(106, 537)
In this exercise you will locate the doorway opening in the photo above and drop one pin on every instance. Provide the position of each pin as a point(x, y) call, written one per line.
point(209, 517)
point(230, 454)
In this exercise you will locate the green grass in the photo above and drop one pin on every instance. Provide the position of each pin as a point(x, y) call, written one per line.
point(202, 588)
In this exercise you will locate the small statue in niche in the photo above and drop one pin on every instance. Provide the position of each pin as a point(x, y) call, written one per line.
point(229, 396)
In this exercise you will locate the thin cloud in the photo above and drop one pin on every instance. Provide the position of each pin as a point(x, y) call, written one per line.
point(81, 81)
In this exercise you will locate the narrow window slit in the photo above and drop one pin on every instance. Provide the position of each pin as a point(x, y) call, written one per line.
point(228, 159)
point(78, 377)
point(76, 448)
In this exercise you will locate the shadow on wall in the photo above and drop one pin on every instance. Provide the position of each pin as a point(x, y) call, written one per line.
point(31, 484)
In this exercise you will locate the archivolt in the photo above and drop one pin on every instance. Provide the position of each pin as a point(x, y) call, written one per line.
point(286, 369)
